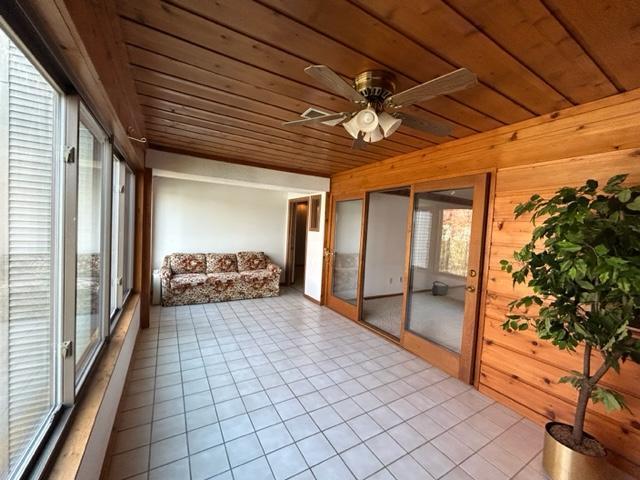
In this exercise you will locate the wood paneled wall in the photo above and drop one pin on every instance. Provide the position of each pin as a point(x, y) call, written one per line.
point(595, 140)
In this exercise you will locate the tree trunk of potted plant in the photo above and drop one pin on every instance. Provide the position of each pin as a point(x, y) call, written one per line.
point(583, 266)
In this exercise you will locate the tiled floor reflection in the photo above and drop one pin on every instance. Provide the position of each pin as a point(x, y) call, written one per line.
point(281, 388)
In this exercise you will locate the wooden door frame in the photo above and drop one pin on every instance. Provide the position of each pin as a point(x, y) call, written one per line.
point(458, 365)
point(291, 241)
point(344, 308)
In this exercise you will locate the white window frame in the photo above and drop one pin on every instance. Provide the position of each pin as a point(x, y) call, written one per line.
point(67, 380)
point(29, 456)
point(88, 120)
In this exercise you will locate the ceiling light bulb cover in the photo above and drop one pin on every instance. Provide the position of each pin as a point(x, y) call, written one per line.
point(388, 123)
point(352, 127)
point(374, 136)
point(366, 120)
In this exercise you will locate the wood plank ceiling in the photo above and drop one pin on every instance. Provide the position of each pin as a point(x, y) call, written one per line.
point(217, 78)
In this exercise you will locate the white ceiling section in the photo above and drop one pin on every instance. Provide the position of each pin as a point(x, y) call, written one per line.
point(188, 167)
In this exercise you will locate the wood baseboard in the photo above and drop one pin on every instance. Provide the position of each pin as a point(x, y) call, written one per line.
point(312, 299)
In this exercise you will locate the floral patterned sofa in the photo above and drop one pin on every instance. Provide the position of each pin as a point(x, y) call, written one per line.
point(189, 278)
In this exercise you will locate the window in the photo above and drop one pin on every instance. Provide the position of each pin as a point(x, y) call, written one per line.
point(454, 241)
point(122, 231)
point(89, 247)
point(29, 152)
point(315, 205)
point(422, 225)
point(129, 230)
point(56, 259)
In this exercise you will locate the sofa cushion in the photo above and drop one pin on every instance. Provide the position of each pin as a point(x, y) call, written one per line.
point(222, 262)
point(256, 279)
point(183, 280)
point(182, 263)
point(252, 261)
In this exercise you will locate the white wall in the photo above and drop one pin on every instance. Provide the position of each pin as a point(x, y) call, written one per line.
point(386, 244)
point(348, 226)
point(315, 246)
point(189, 167)
point(192, 216)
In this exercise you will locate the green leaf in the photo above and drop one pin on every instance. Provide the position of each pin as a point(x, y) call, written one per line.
point(601, 249)
point(635, 205)
point(610, 399)
point(625, 195)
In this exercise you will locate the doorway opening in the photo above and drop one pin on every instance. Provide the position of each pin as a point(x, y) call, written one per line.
point(297, 243)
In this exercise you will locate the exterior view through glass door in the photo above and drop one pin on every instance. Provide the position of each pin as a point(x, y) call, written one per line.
point(344, 257)
point(444, 270)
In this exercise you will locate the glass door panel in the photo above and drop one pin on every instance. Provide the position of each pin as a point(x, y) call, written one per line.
point(343, 256)
point(346, 252)
point(443, 270)
point(384, 263)
point(439, 265)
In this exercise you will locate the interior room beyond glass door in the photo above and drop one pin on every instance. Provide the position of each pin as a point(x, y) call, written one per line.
point(384, 262)
point(442, 295)
point(344, 257)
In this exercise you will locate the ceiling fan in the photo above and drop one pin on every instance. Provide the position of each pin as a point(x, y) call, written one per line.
point(374, 91)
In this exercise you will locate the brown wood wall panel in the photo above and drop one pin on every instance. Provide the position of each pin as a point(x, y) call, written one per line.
point(595, 140)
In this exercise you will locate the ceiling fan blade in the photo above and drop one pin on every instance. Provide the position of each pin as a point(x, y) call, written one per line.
point(359, 143)
point(334, 82)
point(319, 119)
point(440, 129)
point(449, 83)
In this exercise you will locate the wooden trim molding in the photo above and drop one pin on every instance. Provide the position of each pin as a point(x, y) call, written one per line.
point(145, 259)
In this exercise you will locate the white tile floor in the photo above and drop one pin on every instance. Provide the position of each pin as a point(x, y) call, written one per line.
point(281, 388)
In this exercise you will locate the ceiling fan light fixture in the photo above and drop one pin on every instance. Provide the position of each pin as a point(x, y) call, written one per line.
point(366, 120)
point(374, 136)
point(388, 123)
point(352, 127)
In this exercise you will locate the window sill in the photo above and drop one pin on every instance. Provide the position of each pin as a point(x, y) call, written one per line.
point(74, 451)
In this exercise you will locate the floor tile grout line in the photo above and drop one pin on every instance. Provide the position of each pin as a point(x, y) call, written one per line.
point(241, 337)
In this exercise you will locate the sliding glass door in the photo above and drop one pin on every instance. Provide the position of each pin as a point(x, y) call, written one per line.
point(407, 262)
point(384, 258)
point(344, 256)
point(444, 271)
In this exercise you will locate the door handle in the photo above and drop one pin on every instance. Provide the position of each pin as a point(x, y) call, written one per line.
point(470, 289)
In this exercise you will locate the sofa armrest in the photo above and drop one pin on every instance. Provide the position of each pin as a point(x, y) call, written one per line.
point(272, 267)
point(165, 272)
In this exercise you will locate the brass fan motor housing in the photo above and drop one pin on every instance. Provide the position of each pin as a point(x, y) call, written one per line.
point(375, 85)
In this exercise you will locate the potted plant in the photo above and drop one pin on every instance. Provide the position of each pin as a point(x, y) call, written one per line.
point(583, 267)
